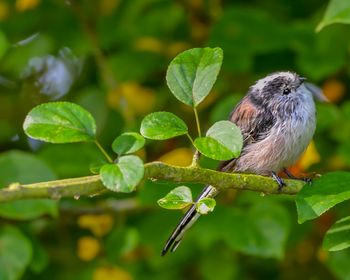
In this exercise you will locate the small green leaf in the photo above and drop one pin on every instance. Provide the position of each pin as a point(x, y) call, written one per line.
point(162, 125)
point(123, 176)
point(223, 141)
point(111, 176)
point(132, 170)
point(228, 134)
point(15, 254)
point(324, 193)
point(128, 143)
point(205, 205)
point(212, 148)
point(178, 198)
point(338, 11)
point(192, 74)
point(60, 122)
point(338, 236)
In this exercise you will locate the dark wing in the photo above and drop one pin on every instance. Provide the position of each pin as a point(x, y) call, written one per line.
point(255, 122)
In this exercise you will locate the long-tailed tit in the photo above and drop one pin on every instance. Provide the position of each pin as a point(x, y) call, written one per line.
point(277, 119)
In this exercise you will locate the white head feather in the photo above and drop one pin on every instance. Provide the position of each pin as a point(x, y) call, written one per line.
point(260, 84)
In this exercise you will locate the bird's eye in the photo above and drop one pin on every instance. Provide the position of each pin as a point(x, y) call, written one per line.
point(286, 91)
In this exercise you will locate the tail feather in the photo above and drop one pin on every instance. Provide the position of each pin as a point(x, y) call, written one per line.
point(186, 222)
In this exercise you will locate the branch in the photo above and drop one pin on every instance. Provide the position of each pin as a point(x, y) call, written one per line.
point(91, 185)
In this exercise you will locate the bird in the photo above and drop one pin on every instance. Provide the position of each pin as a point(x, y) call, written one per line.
point(277, 119)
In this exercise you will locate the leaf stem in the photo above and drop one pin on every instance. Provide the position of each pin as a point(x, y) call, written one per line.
point(197, 122)
point(103, 151)
point(189, 137)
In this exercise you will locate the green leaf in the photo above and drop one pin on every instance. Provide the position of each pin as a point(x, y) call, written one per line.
point(127, 143)
point(338, 236)
point(162, 125)
point(192, 74)
point(111, 176)
point(123, 176)
point(25, 168)
point(227, 134)
point(338, 264)
point(324, 193)
point(212, 148)
point(15, 253)
point(338, 11)
point(60, 122)
point(205, 205)
point(177, 198)
point(260, 229)
point(223, 141)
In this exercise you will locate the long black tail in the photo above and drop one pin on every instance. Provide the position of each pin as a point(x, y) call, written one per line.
point(186, 222)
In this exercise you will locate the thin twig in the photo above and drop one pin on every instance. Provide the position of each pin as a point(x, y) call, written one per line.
point(103, 151)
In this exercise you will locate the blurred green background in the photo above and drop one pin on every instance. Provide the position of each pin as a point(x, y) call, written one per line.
point(110, 56)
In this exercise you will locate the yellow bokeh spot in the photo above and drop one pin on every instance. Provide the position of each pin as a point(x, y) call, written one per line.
point(111, 273)
point(99, 225)
point(310, 157)
point(337, 162)
point(136, 98)
point(199, 30)
point(178, 157)
point(334, 90)
point(150, 44)
point(175, 48)
point(322, 255)
point(24, 5)
point(113, 98)
point(88, 248)
point(198, 4)
point(108, 6)
point(141, 153)
point(4, 10)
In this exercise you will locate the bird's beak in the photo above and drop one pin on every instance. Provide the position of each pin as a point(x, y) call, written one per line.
point(316, 92)
point(300, 81)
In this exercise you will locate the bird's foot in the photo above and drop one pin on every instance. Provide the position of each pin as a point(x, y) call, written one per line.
point(279, 181)
point(291, 176)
